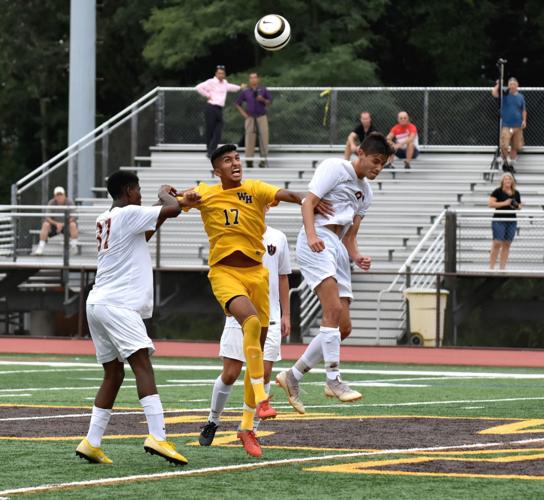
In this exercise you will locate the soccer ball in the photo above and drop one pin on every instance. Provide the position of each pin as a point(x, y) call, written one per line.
point(272, 32)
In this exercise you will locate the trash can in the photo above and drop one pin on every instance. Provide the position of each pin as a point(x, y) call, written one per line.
point(422, 304)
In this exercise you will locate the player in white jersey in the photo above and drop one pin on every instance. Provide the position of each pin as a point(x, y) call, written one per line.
point(276, 260)
point(324, 248)
point(121, 297)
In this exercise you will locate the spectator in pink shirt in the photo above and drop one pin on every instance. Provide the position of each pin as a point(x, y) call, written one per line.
point(215, 91)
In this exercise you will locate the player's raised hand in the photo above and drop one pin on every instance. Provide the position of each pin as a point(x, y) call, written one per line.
point(316, 244)
point(324, 208)
point(166, 188)
point(364, 262)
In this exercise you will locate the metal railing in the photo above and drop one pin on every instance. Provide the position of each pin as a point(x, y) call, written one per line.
point(430, 259)
point(447, 117)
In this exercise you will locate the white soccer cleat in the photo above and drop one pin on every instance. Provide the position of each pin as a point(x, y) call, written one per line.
point(337, 388)
point(289, 384)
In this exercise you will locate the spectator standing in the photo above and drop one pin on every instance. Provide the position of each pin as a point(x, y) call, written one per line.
point(358, 134)
point(514, 120)
point(256, 98)
point(215, 91)
point(504, 225)
point(404, 139)
point(52, 226)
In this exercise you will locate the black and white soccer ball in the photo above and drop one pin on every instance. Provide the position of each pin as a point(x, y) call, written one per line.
point(272, 32)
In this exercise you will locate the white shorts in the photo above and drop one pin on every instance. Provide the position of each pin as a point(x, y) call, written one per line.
point(331, 262)
point(117, 332)
point(231, 345)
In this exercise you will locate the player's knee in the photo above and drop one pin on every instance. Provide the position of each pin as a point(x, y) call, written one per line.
point(228, 377)
point(115, 376)
point(252, 328)
point(331, 314)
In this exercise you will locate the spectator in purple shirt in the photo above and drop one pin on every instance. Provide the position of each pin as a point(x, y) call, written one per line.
point(215, 91)
point(257, 99)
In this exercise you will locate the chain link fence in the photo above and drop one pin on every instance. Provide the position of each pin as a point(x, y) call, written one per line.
point(299, 116)
point(474, 241)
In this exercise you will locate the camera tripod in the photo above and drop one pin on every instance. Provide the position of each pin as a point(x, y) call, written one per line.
point(497, 155)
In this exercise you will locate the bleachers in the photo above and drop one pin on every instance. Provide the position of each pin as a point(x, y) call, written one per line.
point(405, 204)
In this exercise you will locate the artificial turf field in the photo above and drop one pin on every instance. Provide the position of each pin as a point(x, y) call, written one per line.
point(420, 432)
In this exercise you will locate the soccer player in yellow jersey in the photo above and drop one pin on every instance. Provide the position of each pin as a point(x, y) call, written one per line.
point(233, 213)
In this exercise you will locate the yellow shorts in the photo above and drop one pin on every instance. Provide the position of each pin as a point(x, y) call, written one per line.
point(251, 282)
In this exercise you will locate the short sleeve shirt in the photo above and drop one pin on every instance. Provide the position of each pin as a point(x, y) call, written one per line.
point(124, 273)
point(500, 195)
point(60, 216)
point(401, 132)
point(359, 130)
point(234, 218)
point(513, 105)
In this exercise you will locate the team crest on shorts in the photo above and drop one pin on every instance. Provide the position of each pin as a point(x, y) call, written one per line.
point(359, 195)
point(271, 249)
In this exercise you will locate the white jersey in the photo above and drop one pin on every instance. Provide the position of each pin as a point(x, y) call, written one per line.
point(335, 180)
point(276, 260)
point(124, 273)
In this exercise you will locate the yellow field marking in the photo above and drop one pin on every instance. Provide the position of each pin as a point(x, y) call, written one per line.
point(189, 419)
point(523, 427)
point(262, 464)
point(76, 438)
point(487, 452)
point(370, 467)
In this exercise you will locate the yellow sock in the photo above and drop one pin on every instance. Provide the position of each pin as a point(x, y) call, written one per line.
point(249, 404)
point(254, 356)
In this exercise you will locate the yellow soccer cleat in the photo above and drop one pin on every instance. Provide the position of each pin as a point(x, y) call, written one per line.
point(164, 449)
point(91, 453)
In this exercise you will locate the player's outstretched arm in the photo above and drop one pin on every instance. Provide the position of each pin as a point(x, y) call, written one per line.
point(323, 207)
point(350, 242)
point(171, 207)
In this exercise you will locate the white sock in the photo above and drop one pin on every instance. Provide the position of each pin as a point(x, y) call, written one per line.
point(331, 351)
point(99, 421)
point(257, 420)
point(312, 356)
point(220, 396)
point(155, 416)
point(41, 244)
point(74, 242)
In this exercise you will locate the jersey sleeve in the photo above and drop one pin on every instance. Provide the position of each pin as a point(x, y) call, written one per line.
point(141, 219)
point(284, 261)
point(367, 200)
point(325, 179)
point(265, 193)
point(496, 194)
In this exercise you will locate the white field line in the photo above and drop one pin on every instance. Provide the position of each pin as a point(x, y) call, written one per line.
point(94, 387)
point(24, 395)
point(288, 407)
point(56, 370)
point(356, 371)
point(254, 465)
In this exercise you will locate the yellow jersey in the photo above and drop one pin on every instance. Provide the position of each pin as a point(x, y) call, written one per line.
point(234, 218)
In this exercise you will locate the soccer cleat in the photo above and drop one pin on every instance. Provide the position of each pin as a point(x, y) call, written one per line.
point(337, 388)
point(164, 449)
point(287, 381)
point(207, 434)
point(264, 411)
point(250, 443)
point(93, 454)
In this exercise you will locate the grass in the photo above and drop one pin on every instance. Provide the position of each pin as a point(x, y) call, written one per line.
point(31, 463)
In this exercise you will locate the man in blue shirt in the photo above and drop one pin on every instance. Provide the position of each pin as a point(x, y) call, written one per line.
point(514, 120)
point(257, 99)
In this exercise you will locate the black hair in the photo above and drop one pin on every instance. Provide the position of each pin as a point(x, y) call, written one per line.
point(220, 151)
point(376, 143)
point(118, 181)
